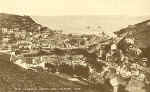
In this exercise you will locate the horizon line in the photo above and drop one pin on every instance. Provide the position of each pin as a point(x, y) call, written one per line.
point(126, 15)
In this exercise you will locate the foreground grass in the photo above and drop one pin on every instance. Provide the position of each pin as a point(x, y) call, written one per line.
point(16, 79)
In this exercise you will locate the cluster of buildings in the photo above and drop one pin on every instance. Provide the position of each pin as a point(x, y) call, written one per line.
point(33, 45)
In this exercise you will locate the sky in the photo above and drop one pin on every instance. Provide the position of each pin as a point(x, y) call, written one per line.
point(76, 7)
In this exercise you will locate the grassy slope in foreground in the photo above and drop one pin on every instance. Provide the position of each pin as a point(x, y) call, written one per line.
point(12, 76)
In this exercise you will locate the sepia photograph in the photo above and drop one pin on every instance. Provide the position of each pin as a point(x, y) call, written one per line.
point(74, 46)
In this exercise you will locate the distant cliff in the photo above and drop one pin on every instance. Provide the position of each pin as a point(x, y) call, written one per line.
point(12, 21)
point(140, 32)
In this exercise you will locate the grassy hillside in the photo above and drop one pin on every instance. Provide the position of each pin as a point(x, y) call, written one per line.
point(14, 79)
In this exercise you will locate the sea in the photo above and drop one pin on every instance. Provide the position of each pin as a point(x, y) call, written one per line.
point(89, 24)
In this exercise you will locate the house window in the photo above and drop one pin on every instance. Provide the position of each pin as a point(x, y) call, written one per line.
point(5, 39)
point(4, 30)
